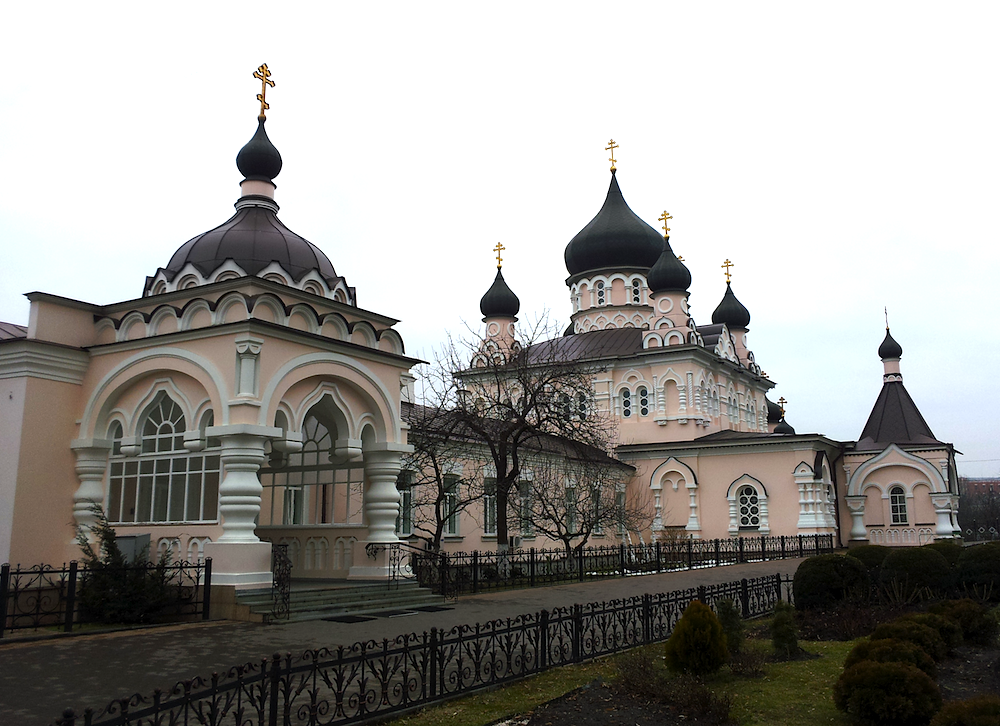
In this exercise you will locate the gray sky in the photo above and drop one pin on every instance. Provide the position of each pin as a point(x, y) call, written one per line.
point(843, 155)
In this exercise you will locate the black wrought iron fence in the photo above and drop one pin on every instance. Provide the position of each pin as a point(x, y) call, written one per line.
point(456, 573)
point(44, 596)
point(981, 534)
point(370, 680)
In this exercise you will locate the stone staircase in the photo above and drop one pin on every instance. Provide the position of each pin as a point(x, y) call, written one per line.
point(315, 599)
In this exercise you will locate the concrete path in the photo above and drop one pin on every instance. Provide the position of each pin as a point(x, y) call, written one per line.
point(39, 679)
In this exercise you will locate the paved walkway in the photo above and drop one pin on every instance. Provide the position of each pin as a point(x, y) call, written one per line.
point(39, 679)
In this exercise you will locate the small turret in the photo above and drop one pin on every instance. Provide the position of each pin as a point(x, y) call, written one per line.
point(890, 352)
point(735, 316)
point(499, 307)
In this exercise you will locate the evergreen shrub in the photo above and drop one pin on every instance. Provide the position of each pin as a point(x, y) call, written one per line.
point(784, 633)
point(979, 570)
point(949, 629)
point(732, 625)
point(825, 580)
point(892, 651)
point(871, 556)
point(887, 694)
point(927, 638)
point(977, 625)
point(977, 711)
point(948, 548)
point(697, 646)
point(916, 569)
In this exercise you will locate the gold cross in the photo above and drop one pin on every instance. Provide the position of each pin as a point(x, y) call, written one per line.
point(680, 258)
point(781, 405)
point(498, 249)
point(727, 264)
point(611, 147)
point(264, 76)
point(665, 218)
point(887, 318)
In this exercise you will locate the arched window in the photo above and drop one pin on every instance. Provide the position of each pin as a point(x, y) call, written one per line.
point(643, 393)
point(897, 505)
point(749, 508)
point(636, 292)
point(600, 292)
point(165, 482)
point(626, 403)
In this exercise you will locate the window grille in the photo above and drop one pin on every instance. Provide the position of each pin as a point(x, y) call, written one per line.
point(643, 401)
point(749, 508)
point(897, 505)
point(626, 403)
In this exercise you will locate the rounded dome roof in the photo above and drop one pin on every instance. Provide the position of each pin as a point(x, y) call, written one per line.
point(615, 238)
point(499, 300)
point(773, 411)
point(253, 238)
point(259, 160)
point(669, 274)
point(731, 312)
point(784, 427)
point(890, 348)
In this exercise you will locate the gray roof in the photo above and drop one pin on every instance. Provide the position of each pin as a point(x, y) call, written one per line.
point(895, 419)
point(9, 331)
point(613, 342)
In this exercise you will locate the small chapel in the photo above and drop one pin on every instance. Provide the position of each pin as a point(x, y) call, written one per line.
point(245, 398)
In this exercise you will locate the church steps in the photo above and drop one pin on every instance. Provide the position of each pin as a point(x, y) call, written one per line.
point(316, 602)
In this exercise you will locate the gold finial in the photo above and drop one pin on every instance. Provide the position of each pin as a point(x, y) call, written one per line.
point(611, 147)
point(665, 218)
point(498, 249)
point(680, 258)
point(781, 405)
point(727, 264)
point(264, 76)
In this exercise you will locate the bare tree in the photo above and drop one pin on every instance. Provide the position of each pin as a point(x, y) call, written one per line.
point(512, 394)
point(577, 492)
point(444, 472)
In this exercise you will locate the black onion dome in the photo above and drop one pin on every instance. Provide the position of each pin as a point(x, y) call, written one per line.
point(253, 238)
point(499, 300)
point(783, 427)
point(889, 348)
point(615, 238)
point(731, 312)
point(773, 411)
point(259, 160)
point(669, 274)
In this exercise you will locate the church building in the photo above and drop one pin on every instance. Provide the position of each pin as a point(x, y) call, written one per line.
point(245, 398)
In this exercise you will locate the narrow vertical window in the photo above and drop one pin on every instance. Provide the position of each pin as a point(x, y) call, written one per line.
point(636, 292)
point(643, 401)
point(404, 520)
point(600, 292)
point(490, 506)
point(749, 508)
point(897, 504)
point(451, 505)
point(526, 525)
point(626, 403)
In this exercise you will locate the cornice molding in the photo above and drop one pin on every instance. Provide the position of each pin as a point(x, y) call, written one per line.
point(37, 359)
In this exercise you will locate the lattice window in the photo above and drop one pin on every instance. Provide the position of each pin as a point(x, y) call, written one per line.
point(636, 292)
point(749, 508)
point(897, 505)
point(626, 403)
point(643, 394)
point(600, 292)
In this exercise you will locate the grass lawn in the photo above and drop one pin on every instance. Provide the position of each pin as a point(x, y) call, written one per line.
point(798, 693)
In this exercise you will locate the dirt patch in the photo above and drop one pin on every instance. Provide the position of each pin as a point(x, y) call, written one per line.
point(973, 670)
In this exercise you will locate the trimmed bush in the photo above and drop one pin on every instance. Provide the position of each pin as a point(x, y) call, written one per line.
point(784, 633)
point(927, 638)
point(697, 645)
point(732, 625)
point(979, 570)
point(949, 630)
point(887, 694)
point(914, 569)
point(977, 625)
point(892, 651)
point(978, 711)
point(825, 580)
point(948, 548)
point(871, 556)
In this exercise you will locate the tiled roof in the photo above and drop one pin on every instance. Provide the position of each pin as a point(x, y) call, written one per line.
point(895, 419)
point(11, 330)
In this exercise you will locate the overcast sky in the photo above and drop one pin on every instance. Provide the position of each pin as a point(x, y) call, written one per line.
point(844, 155)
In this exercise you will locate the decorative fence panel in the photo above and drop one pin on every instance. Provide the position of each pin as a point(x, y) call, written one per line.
point(453, 574)
point(371, 680)
point(44, 596)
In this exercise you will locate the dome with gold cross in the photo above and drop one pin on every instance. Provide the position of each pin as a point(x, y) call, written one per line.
point(614, 239)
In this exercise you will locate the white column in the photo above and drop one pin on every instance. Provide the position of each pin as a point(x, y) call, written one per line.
point(693, 525)
point(91, 466)
point(857, 507)
point(942, 508)
point(239, 558)
point(382, 464)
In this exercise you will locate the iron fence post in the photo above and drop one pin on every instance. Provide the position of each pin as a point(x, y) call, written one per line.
point(70, 597)
point(444, 575)
point(647, 618)
point(690, 553)
point(621, 557)
point(741, 559)
point(800, 545)
point(817, 543)
point(579, 562)
point(4, 589)
point(745, 597)
point(206, 597)
point(763, 548)
point(659, 563)
point(577, 632)
point(543, 640)
point(702, 594)
point(68, 718)
point(434, 662)
point(275, 674)
point(777, 586)
point(475, 571)
point(531, 567)
point(717, 546)
point(783, 556)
